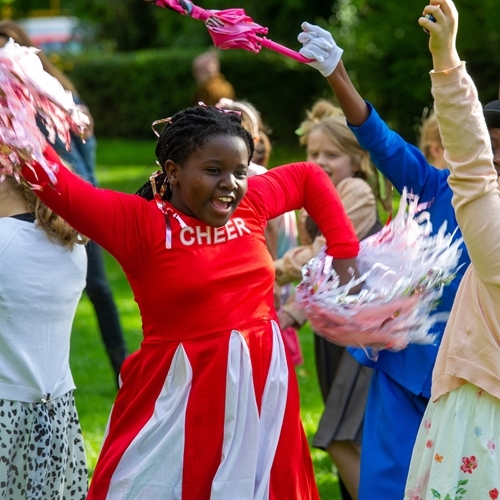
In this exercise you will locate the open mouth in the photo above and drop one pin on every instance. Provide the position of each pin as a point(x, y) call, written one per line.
point(223, 203)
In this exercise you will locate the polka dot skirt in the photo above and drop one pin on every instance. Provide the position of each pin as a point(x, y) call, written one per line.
point(42, 455)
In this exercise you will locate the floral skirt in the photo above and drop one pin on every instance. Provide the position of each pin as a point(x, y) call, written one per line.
point(42, 455)
point(455, 455)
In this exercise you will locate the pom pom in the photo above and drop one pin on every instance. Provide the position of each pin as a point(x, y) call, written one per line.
point(27, 92)
point(403, 271)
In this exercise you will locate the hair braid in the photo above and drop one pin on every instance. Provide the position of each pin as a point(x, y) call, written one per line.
point(188, 131)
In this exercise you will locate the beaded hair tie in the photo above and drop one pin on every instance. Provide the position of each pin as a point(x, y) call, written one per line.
point(167, 211)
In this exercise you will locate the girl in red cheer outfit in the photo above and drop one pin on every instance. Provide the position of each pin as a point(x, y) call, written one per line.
point(209, 405)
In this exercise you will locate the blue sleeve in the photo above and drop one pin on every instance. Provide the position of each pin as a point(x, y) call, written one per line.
point(402, 163)
point(405, 166)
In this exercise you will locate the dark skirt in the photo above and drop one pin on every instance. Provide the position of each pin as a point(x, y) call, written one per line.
point(344, 385)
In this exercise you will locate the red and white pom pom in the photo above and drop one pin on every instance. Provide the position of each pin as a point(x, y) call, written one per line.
point(403, 271)
point(28, 92)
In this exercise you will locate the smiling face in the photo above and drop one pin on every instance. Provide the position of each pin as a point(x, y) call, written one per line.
point(321, 150)
point(212, 182)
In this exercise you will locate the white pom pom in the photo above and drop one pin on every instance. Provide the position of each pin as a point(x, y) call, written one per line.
point(404, 270)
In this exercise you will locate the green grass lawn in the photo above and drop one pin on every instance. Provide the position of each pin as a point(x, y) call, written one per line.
point(125, 165)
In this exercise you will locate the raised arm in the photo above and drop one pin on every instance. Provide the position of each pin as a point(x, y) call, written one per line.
point(114, 220)
point(359, 204)
point(466, 140)
point(354, 106)
point(319, 45)
point(402, 163)
point(298, 185)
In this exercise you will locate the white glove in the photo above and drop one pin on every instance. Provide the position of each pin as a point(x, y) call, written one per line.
point(319, 44)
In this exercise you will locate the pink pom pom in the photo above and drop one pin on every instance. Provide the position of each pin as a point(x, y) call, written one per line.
point(28, 92)
point(404, 270)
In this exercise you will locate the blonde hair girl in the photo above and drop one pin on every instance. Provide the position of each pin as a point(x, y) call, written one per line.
point(42, 275)
point(344, 383)
point(330, 121)
point(430, 142)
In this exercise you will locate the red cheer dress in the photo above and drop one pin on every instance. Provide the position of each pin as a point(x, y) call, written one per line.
point(209, 405)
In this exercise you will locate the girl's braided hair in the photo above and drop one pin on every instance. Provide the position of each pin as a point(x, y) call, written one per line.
point(185, 133)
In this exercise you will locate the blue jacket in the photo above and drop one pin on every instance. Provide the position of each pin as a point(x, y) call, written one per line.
point(405, 165)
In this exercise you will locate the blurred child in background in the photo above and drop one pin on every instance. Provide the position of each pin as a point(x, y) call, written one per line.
point(211, 83)
point(343, 382)
point(430, 142)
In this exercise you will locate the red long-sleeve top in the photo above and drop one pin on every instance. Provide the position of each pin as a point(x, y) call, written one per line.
point(212, 279)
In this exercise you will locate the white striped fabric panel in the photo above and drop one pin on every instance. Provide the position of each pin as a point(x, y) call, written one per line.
point(151, 467)
point(236, 474)
point(250, 440)
point(272, 412)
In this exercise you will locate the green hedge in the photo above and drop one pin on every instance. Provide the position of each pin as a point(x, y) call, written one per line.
point(127, 92)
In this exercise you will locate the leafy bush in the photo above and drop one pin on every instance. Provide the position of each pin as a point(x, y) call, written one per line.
point(127, 92)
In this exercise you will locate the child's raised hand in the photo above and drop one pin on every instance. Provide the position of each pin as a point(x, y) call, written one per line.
point(443, 33)
point(318, 44)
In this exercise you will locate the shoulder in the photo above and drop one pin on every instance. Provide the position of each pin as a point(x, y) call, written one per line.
point(10, 224)
point(254, 169)
point(354, 187)
point(8, 227)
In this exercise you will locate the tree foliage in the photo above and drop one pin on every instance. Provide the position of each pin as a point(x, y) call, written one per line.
point(136, 24)
point(387, 53)
point(385, 50)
